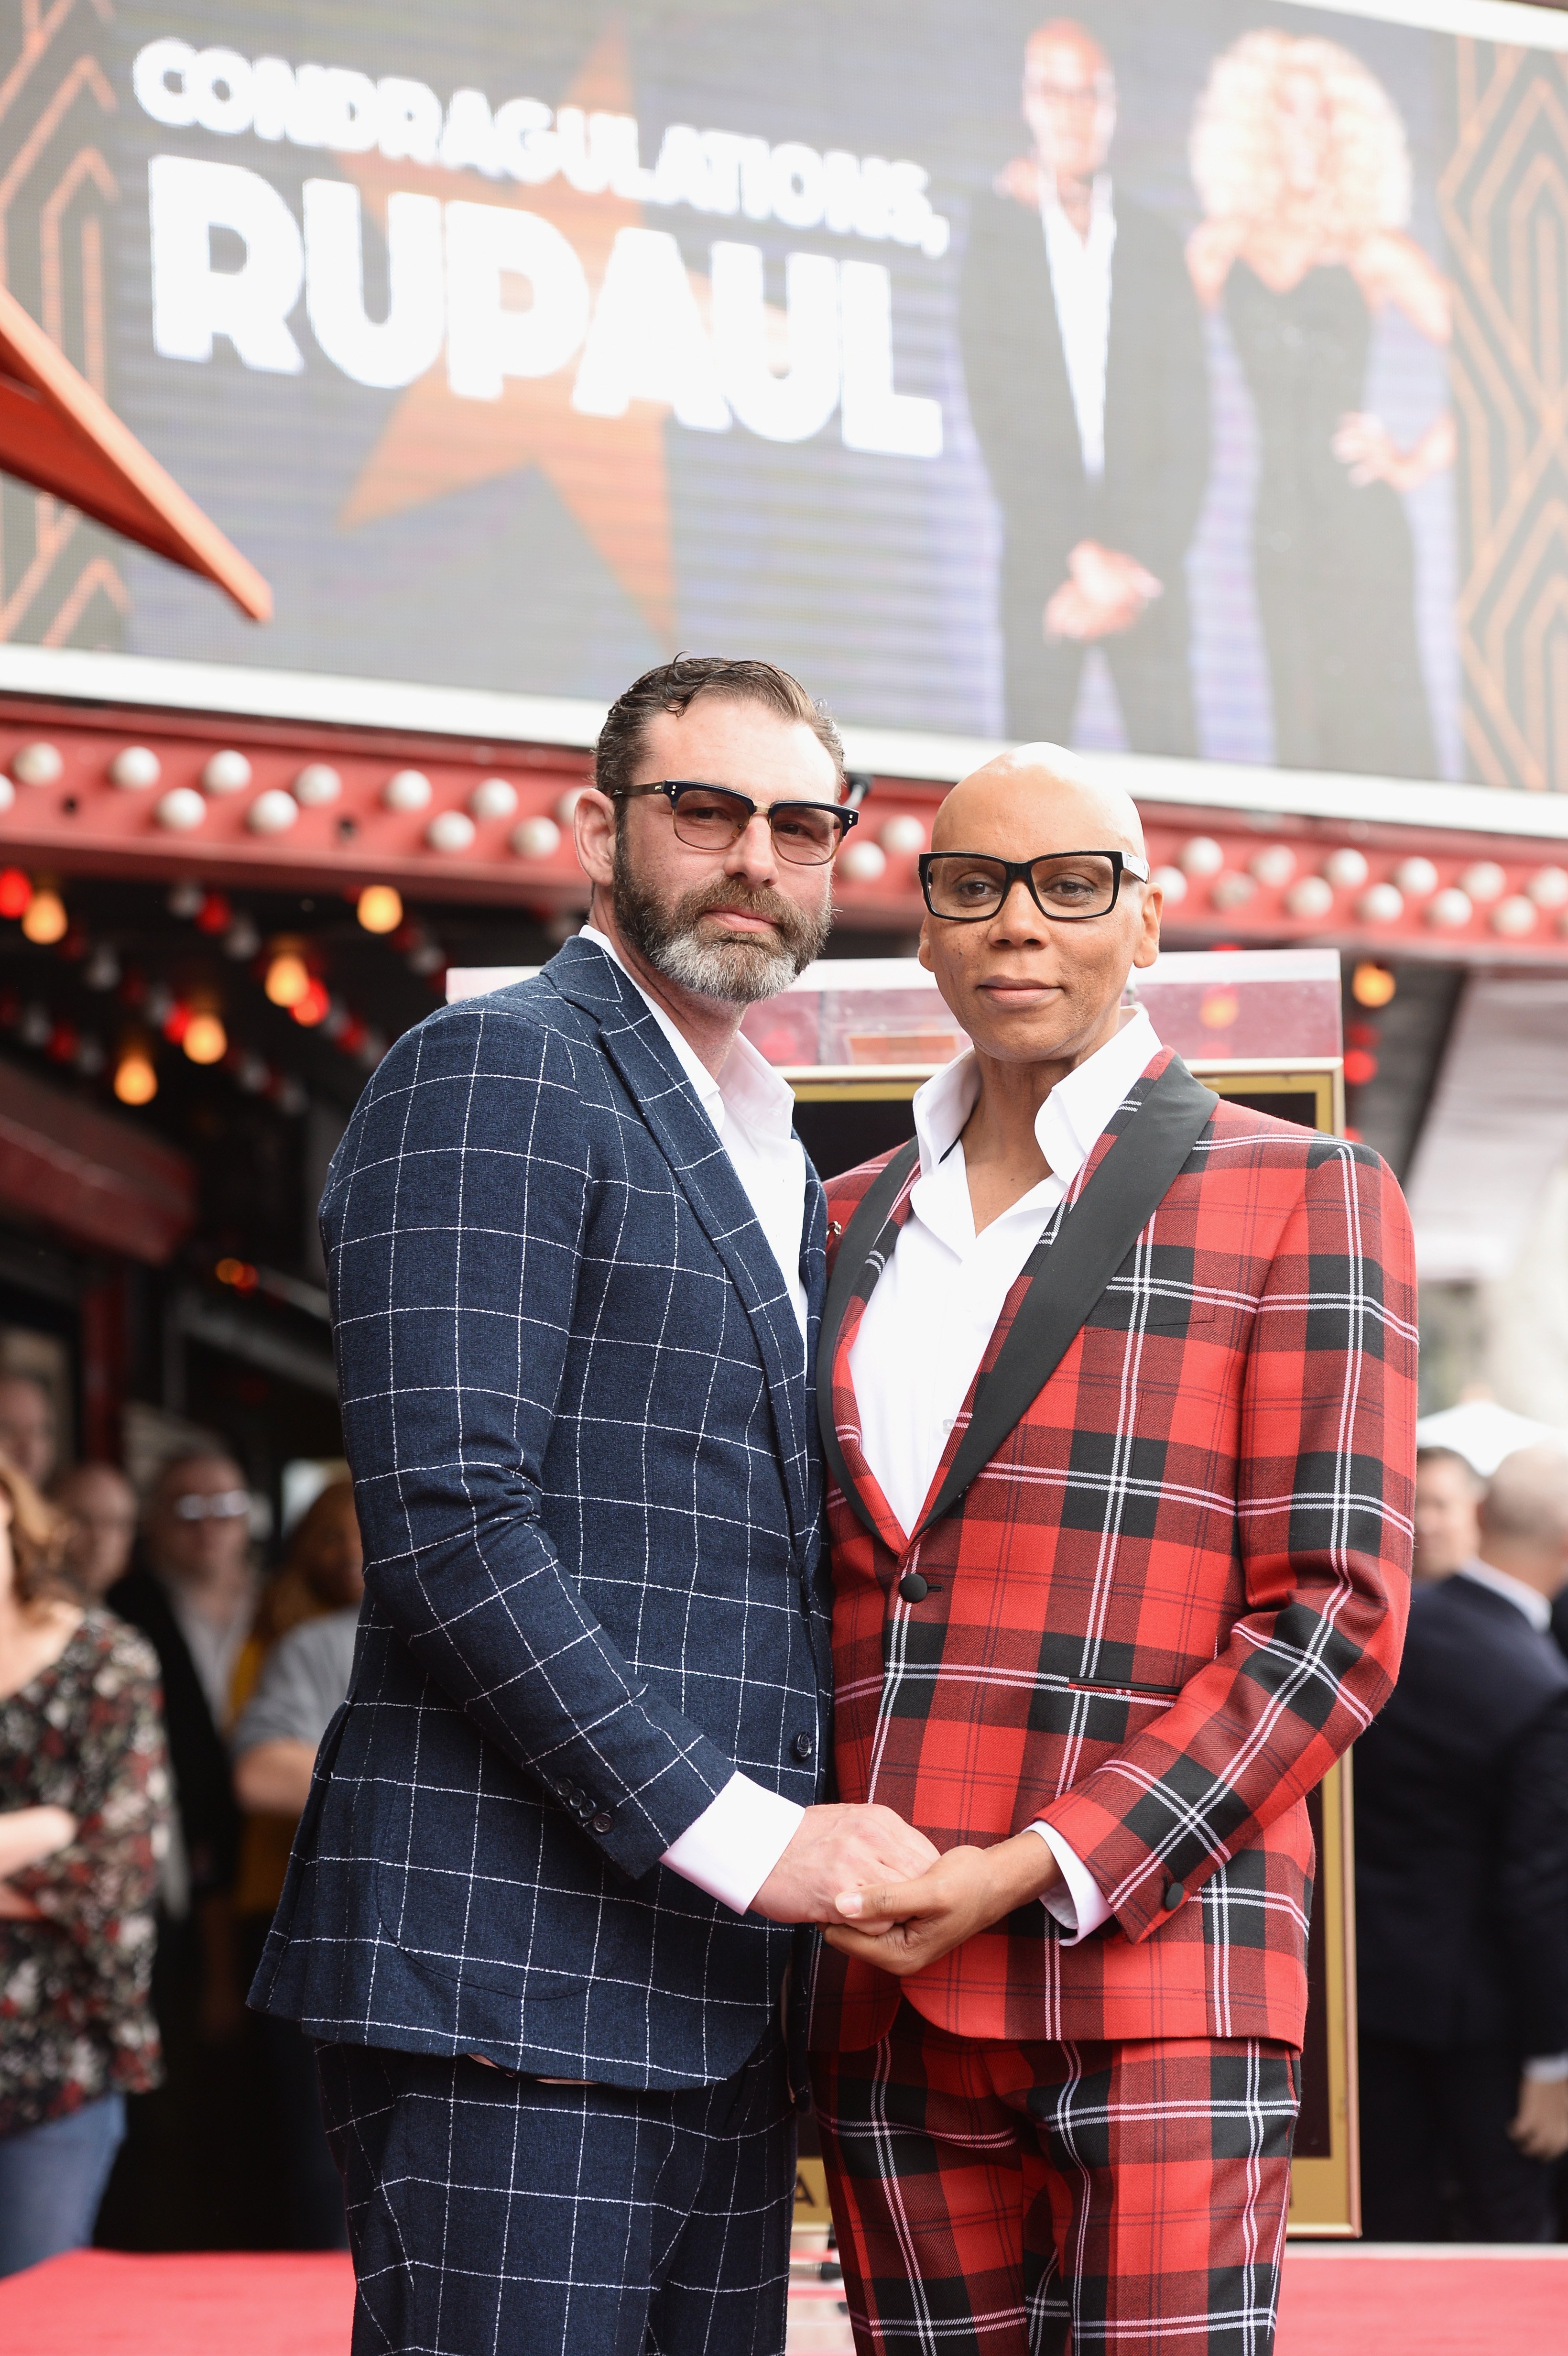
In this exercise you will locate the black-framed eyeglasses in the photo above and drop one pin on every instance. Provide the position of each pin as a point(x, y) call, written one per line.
point(964, 887)
point(712, 818)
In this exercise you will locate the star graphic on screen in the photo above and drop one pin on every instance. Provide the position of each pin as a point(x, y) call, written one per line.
point(609, 473)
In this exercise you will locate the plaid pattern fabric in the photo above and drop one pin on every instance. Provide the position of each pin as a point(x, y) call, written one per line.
point(1174, 1596)
point(574, 1401)
point(488, 2212)
point(994, 2199)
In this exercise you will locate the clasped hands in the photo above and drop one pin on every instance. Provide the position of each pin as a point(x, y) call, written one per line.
point(885, 1893)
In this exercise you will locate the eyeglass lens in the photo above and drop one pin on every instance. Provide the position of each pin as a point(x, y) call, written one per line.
point(961, 886)
point(226, 1506)
point(708, 818)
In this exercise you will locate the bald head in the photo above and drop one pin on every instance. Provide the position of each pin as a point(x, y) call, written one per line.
point(1047, 792)
point(1069, 103)
point(1040, 981)
point(1527, 1499)
point(1064, 38)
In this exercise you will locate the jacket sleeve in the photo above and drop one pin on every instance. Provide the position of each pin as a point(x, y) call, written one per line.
point(1324, 1485)
point(1533, 1884)
point(456, 1219)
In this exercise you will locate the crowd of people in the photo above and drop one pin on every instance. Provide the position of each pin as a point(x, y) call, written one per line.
point(161, 1705)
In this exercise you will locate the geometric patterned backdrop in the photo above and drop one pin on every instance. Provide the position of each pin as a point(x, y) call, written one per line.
point(1504, 200)
point(60, 583)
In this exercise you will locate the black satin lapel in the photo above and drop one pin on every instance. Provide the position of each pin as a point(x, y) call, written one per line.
point(859, 1240)
point(1069, 1274)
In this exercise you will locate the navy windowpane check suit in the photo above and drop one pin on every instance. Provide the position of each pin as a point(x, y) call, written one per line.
point(585, 1464)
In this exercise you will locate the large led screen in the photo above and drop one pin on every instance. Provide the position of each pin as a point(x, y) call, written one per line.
point(1178, 376)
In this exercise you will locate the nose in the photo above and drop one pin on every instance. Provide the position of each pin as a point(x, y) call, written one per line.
point(1018, 917)
point(751, 855)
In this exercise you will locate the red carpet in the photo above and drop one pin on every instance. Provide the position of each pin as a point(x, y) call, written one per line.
point(1338, 2302)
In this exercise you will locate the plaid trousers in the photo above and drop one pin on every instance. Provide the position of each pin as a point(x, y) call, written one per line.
point(994, 2199)
point(490, 2212)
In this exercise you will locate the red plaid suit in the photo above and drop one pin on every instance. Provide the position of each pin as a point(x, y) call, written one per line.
point(1175, 1595)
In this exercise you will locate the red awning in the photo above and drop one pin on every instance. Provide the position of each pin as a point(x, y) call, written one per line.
point(57, 433)
point(93, 1178)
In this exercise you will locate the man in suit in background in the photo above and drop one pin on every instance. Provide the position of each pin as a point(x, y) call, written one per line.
point(537, 1915)
point(1462, 1887)
point(1088, 387)
point(1118, 1392)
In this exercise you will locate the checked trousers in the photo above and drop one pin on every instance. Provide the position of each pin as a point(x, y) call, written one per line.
point(496, 2215)
point(1113, 2199)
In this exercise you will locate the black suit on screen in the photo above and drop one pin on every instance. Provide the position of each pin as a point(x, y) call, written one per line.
point(1462, 1913)
point(1157, 459)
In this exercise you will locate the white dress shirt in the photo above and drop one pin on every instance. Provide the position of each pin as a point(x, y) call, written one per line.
point(926, 1325)
point(1081, 287)
point(1549, 2069)
point(740, 1836)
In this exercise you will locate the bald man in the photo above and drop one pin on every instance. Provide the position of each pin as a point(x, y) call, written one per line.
point(1118, 1393)
point(1088, 387)
point(1462, 1887)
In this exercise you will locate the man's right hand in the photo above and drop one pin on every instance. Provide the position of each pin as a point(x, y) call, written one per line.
point(835, 1848)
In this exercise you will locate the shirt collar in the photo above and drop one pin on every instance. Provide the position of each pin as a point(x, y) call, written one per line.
point(1071, 1121)
point(748, 1086)
point(1535, 1606)
point(1102, 215)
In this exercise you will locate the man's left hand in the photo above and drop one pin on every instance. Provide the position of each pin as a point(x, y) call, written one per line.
point(965, 1891)
point(1540, 2126)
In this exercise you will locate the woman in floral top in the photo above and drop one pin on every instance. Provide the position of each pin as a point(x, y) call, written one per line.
point(83, 1823)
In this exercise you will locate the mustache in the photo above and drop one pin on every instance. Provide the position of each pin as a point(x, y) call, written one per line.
point(722, 892)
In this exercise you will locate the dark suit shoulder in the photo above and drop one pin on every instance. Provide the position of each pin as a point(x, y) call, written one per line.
point(1462, 1617)
point(1142, 230)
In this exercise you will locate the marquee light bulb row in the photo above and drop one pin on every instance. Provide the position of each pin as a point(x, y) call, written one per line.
point(1415, 881)
point(182, 808)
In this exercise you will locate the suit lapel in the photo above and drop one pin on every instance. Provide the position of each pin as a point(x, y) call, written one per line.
point(864, 1252)
point(663, 1096)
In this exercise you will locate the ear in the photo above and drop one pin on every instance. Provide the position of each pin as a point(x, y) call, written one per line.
point(1149, 936)
point(594, 835)
point(923, 952)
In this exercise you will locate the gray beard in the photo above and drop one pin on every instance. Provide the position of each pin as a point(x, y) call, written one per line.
point(738, 973)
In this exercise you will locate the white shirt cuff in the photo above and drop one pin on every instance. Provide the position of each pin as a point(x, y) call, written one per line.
point(1077, 1902)
point(1547, 2069)
point(736, 1842)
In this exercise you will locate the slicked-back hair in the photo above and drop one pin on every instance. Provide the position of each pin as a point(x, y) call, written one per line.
point(675, 686)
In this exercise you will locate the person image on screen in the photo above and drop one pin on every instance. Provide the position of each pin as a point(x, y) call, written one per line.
point(537, 1914)
point(1088, 388)
point(1303, 171)
point(1118, 1384)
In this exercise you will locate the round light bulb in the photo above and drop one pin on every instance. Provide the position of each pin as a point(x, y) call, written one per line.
point(206, 1041)
point(136, 1081)
point(135, 768)
point(406, 789)
point(379, 908)
point(1372, 985)
point(535, 838)
point(36, 765)
point(288, 979)
point(46, 921)
point(273, 812)
point(452, 831)
point(495, 798)
point(316, 785)
point(226, 773)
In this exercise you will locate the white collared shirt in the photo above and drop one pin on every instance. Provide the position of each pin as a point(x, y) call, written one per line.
point(926, 1325)
point(741, 1836)
point(1528, 1600)
point(754, 1112)
point(1080, 288)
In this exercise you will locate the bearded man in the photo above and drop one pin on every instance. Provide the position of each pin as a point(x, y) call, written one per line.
point(537, 1917)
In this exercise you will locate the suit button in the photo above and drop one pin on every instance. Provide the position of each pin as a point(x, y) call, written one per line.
point(602, 1823)
point(1174, 1893)
point(803, 1745)
point(912, 1587)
